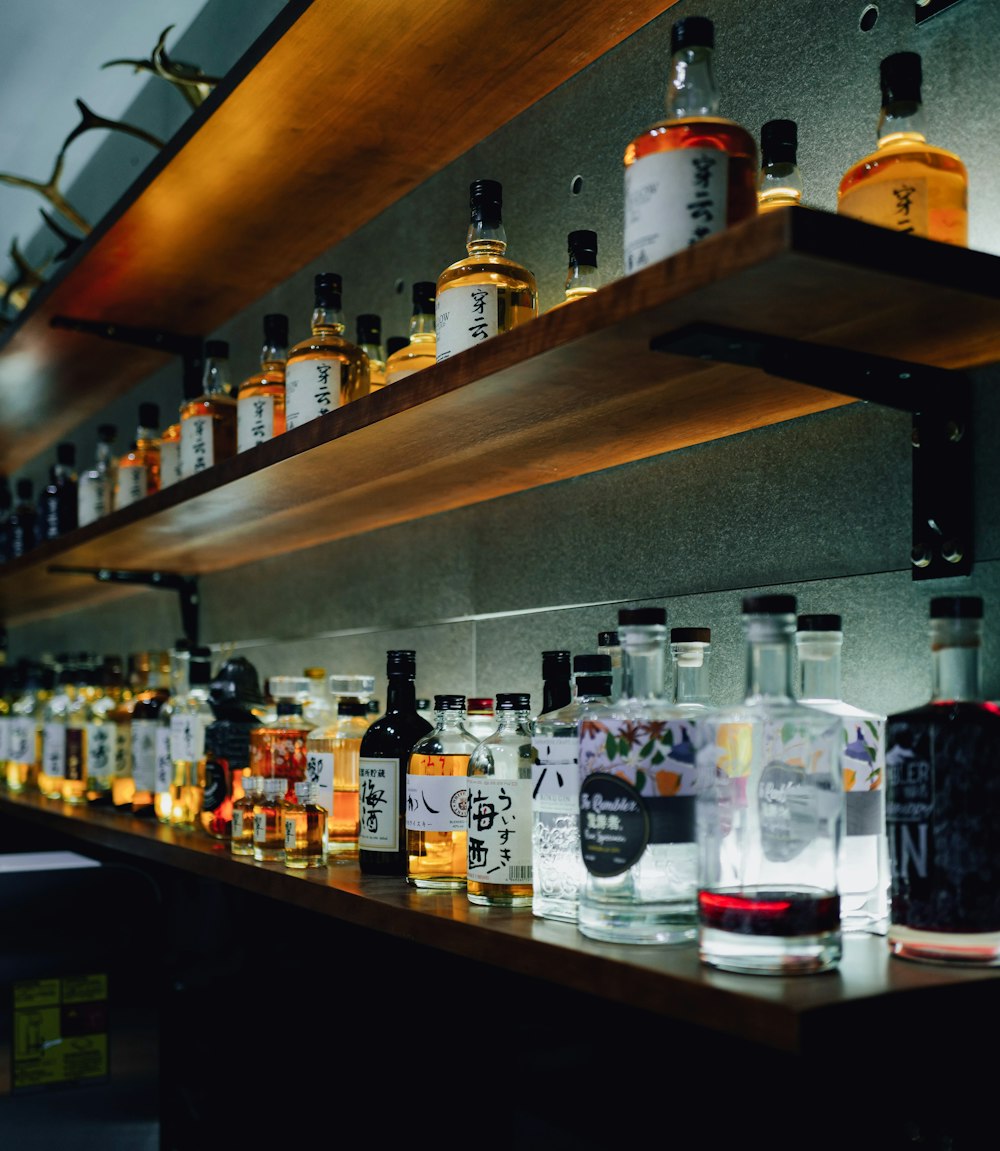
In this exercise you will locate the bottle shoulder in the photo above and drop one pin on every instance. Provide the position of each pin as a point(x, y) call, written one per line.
point(484, 268)
point(714, 133)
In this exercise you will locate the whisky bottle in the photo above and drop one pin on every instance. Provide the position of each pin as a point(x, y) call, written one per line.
point(241, 831)
point(770, 815)
point(278, 747)
point(136, 680)
point(190, 717)
point(485, 293)
point(269, 821)
point(907, 184)
point(24, 737)
point(95, 490)
point(325, 370)
point(208, 422)
point(581, 272)
point(305, 822)
point(864, 852)
point(943, 801)
point(78, 722)
point(369, 328)
point(58, 500)
point(144, 725)
point(498, 868)
point(139, 468)
point(437, 800)
point(420, 351)
point(332, 759)
point(103, 732)
point(164, 791)
point(6, 507)
point(780, 182)
point(694, 173)
point(260, 399)
point(557, 864)
point(52, 765)
point(22, 524)
point(170, 439)
point(382, 766)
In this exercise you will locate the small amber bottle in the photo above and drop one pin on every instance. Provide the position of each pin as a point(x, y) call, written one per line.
point(241, 837)
point(269, 822)
point(305, 828)
point(260, 400)
point(208, 422)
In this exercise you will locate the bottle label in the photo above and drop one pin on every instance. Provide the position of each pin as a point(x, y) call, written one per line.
point(499, 830)
point(21, 734)
point(197, 445)
point(436, 802)
point(378, 782)
point(5, 723)
point(319, 770)
point(94, 493)
point(100, 751)
point(465, 316)
point(897, 204)
point(555, 779)
point(123, 751)
point(170, 462)
point(290, 825)
point(187, 737)
point(132, 485)
point(312, 388)
point(54, 750)
point(164, 760)
point(144, 754)
point(254, 421)
point(237, 831)
point(673, 200)
point(259, 827)
point(862, 764)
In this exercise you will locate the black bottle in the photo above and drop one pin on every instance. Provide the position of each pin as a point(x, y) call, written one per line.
point(57, 503)
point(557, 686)
point(384, 754)
point(23, 520)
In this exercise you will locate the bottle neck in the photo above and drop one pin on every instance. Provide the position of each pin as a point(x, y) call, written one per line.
point(768, 642)
point(643, 663)
point(401, 693)
point(273, 357)
point(581, 280)
point(216, 378)
point(327, 319)
point(422, 327)
point(691, 681)
point(901, 120)
point(692, 90)
point(556, 693)
point(955, 659)
point(819, 668)
point(486, 238)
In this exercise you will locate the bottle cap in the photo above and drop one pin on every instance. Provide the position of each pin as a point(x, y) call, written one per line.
point(352, 705)
point(591, 663)
point(607, 639)
point(486, 201)
point(555, 664)
point(369, 328)
point(275, 785)
point(479, 705)
point(690, 635)
point(149, 415)
point(513, 701)
point(66, 454)
point(107, 433)
point(395, 344)
point(692, 32)
point(779, 141)
point(769, 605)
point(818, 623)
point(328, 289)
point(901, 75)
point(358, 686)
point(217, 349)
point(449, 703)
point(957, 607)
point(643, 616)
point(289, 687)
point(276, 329)
point(424, 293)
point(401, 663)
point(583, 248)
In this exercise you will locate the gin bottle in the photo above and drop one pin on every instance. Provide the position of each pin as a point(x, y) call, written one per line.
point(693, 173)
point(780, 182)
point(943, 803)
point(499, 858)
point(864, 860)
point(637, 793)
point(770, 816)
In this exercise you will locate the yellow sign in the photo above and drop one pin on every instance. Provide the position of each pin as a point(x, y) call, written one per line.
point(60, 1031)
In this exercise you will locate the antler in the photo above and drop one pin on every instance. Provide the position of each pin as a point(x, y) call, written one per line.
point(193, 84)
point(50, 190)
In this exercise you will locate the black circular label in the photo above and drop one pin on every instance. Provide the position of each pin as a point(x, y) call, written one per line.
point(614, 824)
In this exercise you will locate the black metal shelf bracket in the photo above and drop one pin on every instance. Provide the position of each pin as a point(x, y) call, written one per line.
point(938, 399)
point(185, 586)
point(189, 348)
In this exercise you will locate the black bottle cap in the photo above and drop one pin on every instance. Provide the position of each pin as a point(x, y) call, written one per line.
point(555, 664)
point(607, 639)
point(901, 75)
point(594, 685)
point(401, 663)
point(642, 615)
point(424, 294)
point(582, 247)
point(449, 702)
point(957, 607)
point(107, 433)
point(690, 635)
point(819, 623)
point(328, 289)
point(769, 605)
point(486, 201)
point(200, 667)
point(276, 329)
point(395, 344)
point(592, 663)
point(217, 349)
point(779, 140)
point(66, 454)
point(149, 415)
point(369, 328)
point(513, 701)
point(351, 705)
point(692, 32)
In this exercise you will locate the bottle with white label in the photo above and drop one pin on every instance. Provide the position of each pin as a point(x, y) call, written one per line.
point(190, 715)
point(485, 293)
point(139, 468)
point(260, 399)
point(52, 766)
point(95, 490)
point(499, 867)
point(420, 351)
point(693, 173)
point(208, 422)
point(325, 370)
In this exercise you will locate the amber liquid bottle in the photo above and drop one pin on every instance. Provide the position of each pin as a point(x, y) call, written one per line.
point(693, 173)
point(145, 722)
point(581, 272)
point(139, 468)
point(384, 755)
point(260, 400)
point(370, 342)
point(325, 370)
point(485, 293)
point(208, 423)
point(907, 184)
point(780, 182)
point(421, 349)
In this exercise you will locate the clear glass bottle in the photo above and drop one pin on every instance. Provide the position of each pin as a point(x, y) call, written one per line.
point(136, 680)
point(689, 651)
point(166, 789)
point(190, 718)
point(95, 489)
point(332, 761)
point(480, 718)
point(382, 765)
point(770, 816)
point(500, 770)
point(103, 732)
point(694, 173)
point(278, 746)
point(22, 524)
point(52, 766)
point(78, 723)
point(319, 707)
point(58, 501)
point(437, 800)
point(780, 182)
point(139, 468)
point(608, 644)
point(864, 862)
point(369, 327)
point(557, 863)
point(943, 803)
point(269, 821)
point(260, 399)
point(305, 828)
point(241, 829)
point(208, 422)
point(325, 370)
point(170, 439)
point(420, 351)
point(638, 781)
point(484, 293)
point(907, 184)
point(24, 740)
point(145, 722)
point(581, 272)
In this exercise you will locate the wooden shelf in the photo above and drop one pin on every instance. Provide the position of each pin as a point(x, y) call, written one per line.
point(796, 1016)
point(575, 391)
point(308, 137)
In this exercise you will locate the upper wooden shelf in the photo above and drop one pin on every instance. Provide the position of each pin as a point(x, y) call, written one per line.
point(799, 1016)
point(309, 136)
point(575, 391)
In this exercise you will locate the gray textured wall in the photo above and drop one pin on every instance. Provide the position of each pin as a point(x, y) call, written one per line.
point(819, 507)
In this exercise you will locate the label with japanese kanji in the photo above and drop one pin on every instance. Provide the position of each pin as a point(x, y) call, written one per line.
point(378, 782)
point(312, 388)
point(465, 316)
point(197, 445)
point(100, 744)
point(254, 421)
point(499, 830)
